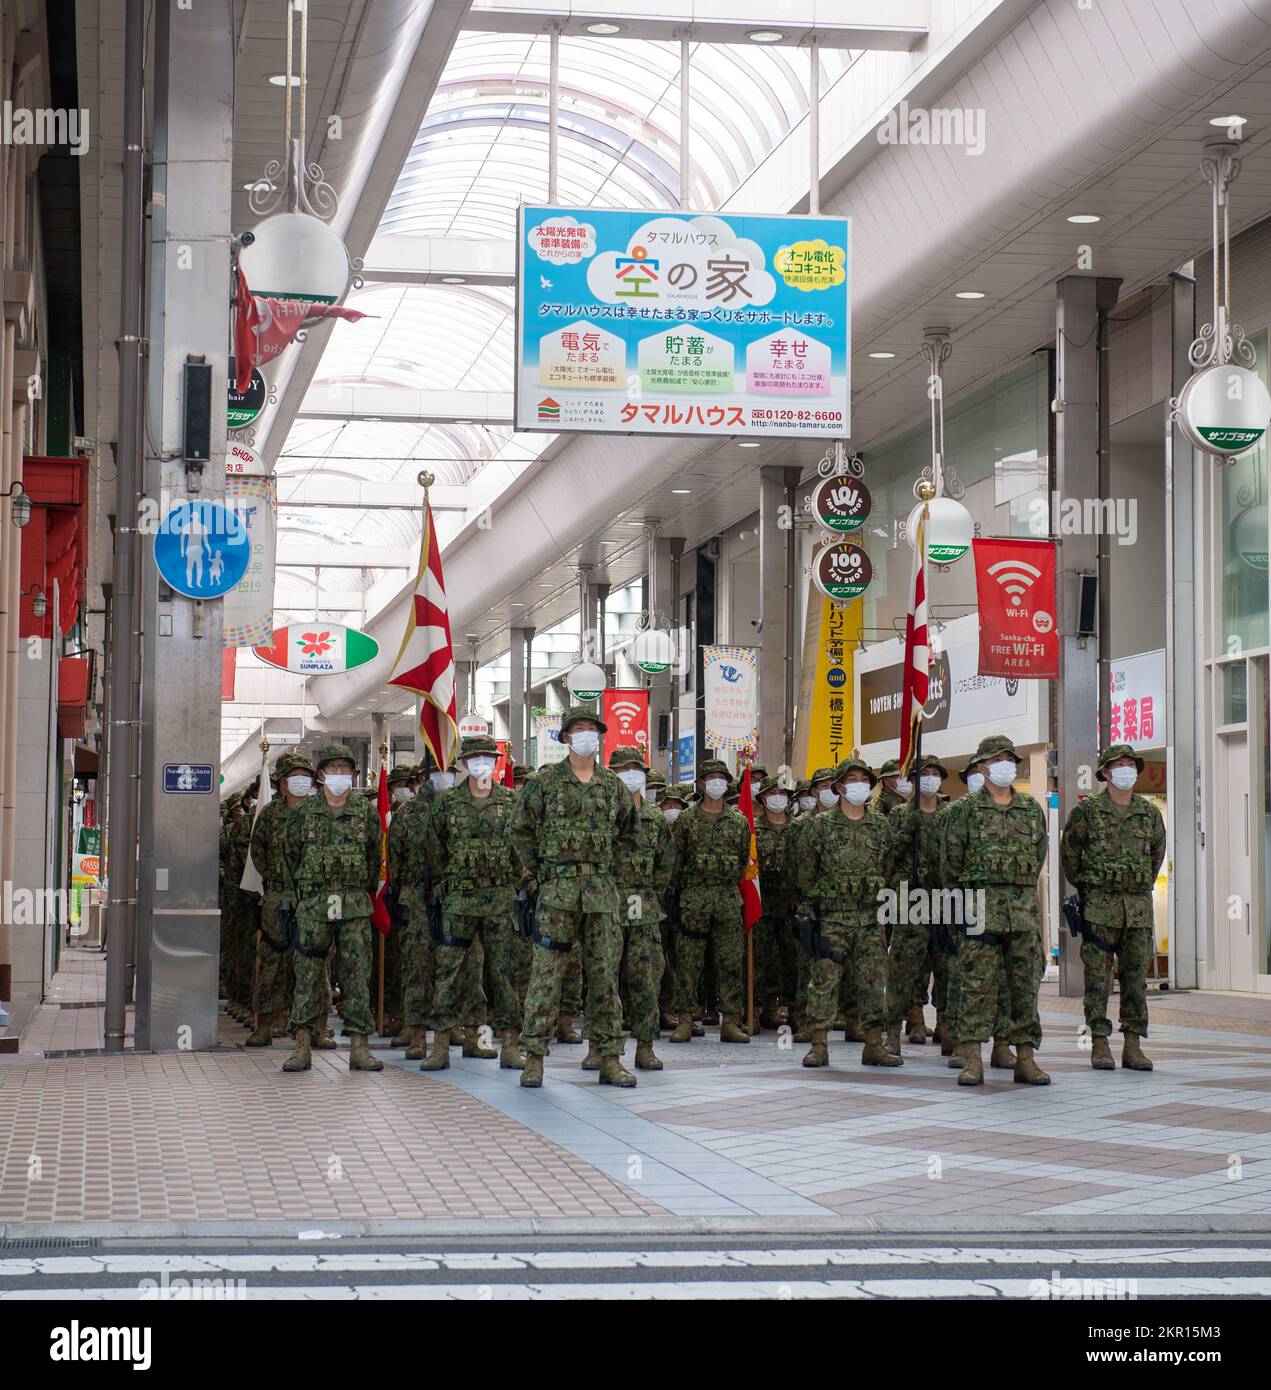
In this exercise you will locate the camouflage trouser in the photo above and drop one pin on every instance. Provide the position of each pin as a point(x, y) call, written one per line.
point(245, 951)
point(458, 998)
point(953, 1003)
point(849, 1001)
point(1134, 949)
point(418, 967)
point(766, 936)
point(719, 925)
point(863, 960)
point(906, 969)
point(803, 975)
point(510, 958)
point(1009, 973)
point(393, 973)
point(642, 964)
point(352, 970)
point(940, 978)
point(598, 938)
point(275, 969)
point(922, 979)
point(571, 991)
point(666, 991)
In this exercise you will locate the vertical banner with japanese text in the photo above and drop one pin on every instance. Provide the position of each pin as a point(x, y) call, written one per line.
point(731, 689)
point(626, 717)
point(1015, 589)
point(828, 692)
point(547, 747)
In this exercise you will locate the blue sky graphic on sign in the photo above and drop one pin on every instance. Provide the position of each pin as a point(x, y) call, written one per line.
point(202, 549)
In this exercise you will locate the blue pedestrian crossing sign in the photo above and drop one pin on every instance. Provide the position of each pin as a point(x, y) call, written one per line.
point(202, 549)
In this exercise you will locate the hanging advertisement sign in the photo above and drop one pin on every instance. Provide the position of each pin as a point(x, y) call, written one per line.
point(841, 504)
point(625, 714)
point(318, 649)
point(239, 458)
point(249, 605)
point(585, 681)
point(1138, 699)
point(653, 651)
point(731, 689)
point(473, 725)
point(1015, 591)
point(949, 530)
point(827, 695)
point(546, 741)
point(685, 758)
point(724, 324)
point(244, 406)
point(1224, 410)
point(842, 571)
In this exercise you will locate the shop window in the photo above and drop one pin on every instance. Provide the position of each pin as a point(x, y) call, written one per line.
point(1235, 696)
point(1244, 541)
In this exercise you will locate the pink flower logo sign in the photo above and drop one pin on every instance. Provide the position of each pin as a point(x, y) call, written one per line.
point(314, 643)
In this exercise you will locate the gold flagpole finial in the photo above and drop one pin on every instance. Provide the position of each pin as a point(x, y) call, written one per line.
point(925, 491)
point(264, 745)
point(425, 479)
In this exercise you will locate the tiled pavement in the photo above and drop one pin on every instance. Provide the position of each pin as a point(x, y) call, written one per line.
point(738, 1133)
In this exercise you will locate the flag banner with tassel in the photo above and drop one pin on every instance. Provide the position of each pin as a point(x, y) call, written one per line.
point(380, 919)
point(752, 901)
point(916, 681)
point(264, 328)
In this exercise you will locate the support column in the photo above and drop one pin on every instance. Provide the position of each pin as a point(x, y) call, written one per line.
point(178, 923)
point(518, 704)
point(597, 599)
point(661, 607)
point(1080, 299)
point(776, 654)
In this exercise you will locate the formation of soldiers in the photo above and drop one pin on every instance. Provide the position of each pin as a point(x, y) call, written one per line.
point(604, 891)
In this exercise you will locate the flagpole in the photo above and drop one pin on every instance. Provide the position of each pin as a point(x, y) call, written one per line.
point(379, 1011)
point(264, 782)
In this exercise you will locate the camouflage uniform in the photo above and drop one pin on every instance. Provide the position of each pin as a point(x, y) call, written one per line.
point(394, 964)
point(409, 870)
point(244, 915)
point(571, 836)
point(1112, 855)
point(223, 902)
point(673, 796)
point(886, 799)
point(775, 948)
point(795, 852)
point(275, 959)
point(910, 949)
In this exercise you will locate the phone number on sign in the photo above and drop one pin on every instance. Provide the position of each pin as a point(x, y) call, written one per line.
point(831, 416)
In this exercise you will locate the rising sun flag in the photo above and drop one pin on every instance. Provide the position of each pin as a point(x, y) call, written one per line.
point(916, 681)
point(426, 662)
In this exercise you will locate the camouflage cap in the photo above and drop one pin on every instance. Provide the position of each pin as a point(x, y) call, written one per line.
point(770, 784)
point(891, 768)
point(293, 762)
point(714, 767)
point(678, 791)
point(802, 787)
point(993, 745)
point(627, 755)
point(231, 801)
point(655, 779)
point(576, 713)
point(522, 772)
point(1112, 753)
point(855, 765)
point(966, 772)
point(478, 745)
point(758, 773)
point(823, 774)
point(924, 763)
point(400, 774)
point(331, 752)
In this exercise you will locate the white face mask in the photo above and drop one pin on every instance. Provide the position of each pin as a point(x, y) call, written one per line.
point(974, 781)
point(402, 794)
point(337, 783)
point(856, 793)
point(633, 779)
point(777, 803)
point(300, 784)
point(828, 797)
point(928, 786)
point(1002, 773)
point(807, 803)
point(481, 768)
point(903, 786)
point(672, 813)
point(715, 787)
point(1123, 778)
point(585, 744)
point(442, 781)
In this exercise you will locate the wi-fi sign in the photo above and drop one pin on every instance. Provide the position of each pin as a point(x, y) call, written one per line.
point(626, 710)
point(1015, 577)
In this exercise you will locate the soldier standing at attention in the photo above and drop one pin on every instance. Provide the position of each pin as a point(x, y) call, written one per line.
point(1112, 849)
point(894, 789)
point(400, 796)
point(842, 868)
point(776, 966)
point(824, 798)
point(998, 844)
point(411, 874)
point(642, 879)
point(675, 799)
point(712, 849)
point(574, 825)
point(331, 852)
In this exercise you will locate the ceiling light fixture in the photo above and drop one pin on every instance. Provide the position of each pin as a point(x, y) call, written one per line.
point(1231, 122)
point(882, 356)
point(453, 280)
point(602, 28)
point(1084, 217)
point(969, 294)
point(279, 79)
point(747, 443)
point(765, 36)
point(681, 491)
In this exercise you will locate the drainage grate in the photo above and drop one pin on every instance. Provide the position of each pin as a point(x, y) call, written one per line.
point(51, 1243)
point(84, 1004)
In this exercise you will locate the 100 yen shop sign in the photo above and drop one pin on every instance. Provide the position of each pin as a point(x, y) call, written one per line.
point(842, 571)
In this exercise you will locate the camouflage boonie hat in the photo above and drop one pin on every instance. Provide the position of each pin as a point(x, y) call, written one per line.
point(995, 744)
point(655, 779)
point(891, 768)
point(477, 744)
point(855, 765)
point(1110, 755)
point(924, 763)
point(400, 775)
point(966, 772)
point(803, 787)
point(822, 774)
point(575, 713)
point(715, 767)
point(678, 791)
point(627, 755)
point(770, 784)
point(758, 773)
point(522, 772)
point(231, 801)
point(333, 751)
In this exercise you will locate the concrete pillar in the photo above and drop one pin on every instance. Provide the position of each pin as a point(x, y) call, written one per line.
point(178, 924)
point(379, 737)
point(777, 651)
point(662, 605)
point(518, 704)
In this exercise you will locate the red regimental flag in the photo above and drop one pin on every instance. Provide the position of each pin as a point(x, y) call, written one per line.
point(752, 902)
point(263, 327)
point(379, 909)
point(426, 661)
point(916, 680)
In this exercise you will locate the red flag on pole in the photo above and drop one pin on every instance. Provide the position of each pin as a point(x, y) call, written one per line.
point(426, 661)
point(263, 327)
point(916, 680)
point(379, 908)
point(752, 901)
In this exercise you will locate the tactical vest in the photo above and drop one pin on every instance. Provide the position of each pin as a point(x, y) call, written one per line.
point(851, 856)
point(710, 847)
point(477, 847)
point(1118, 854)
point(1000, 848)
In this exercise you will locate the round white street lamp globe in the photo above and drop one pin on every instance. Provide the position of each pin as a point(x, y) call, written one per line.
point(653, 651)
point(585, 681)
point(295, 256)
point(949, 530)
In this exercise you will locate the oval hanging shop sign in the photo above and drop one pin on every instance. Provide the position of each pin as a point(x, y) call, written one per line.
point(1224, 410)
point(653, 651)
point(842, 571)
point(245, 406)
point(318, 649)
point(841, 504)
point(585, 681)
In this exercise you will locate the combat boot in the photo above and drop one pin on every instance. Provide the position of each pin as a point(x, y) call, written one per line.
point(1026, 1070)
point(458, 1036)
point(418, 1044)
point(711, 1019)
point(301, 1059)
point(511, 1058)
point(439, 1058)
point(325, 1041)
point(891, 1040)
point(683, 1029)
point(818, 1055)
point(957, 1058)
point(472, 1043)
point(1132, 1055)
point(1002, 1057)
point(565, 1030)
point(264, 1033)
point(669, 1019)
point(278, 1028)
point(646, 1059)
point(852, 1029)
point(1101, 1058)
point(947, 1043)
point(770, 1018)
point(591, 1062)
point(613, 1073)
point(802, 1032)
point(699, 1028)
point(875, 1054)
point(360, 1058)
point(972, 1073)
point(939, 1032)
point(403, 1036)
point(730, 1031)
point(916, 1025)
point(532, 1073)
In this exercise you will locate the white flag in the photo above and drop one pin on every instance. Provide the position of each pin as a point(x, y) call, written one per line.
point(251, 881)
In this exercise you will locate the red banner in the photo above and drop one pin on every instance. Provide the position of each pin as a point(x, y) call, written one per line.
point(1015, 588)
point(626, 716)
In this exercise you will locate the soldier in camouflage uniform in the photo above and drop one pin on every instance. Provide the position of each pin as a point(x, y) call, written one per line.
point(400, 796)
point(642, 879)
point(675, 800)
point(712, 849)
point(824, 798)
point(893, 788)
point(244, 908)
point(841, 870)
point(654, 786)
point(521, 773)
point(573, 825)
point(776, 959)
point(222, 898)
point(997, 843)
point(466, 838)
point(1112, 848)
point(331, 855)
point(411, 874)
